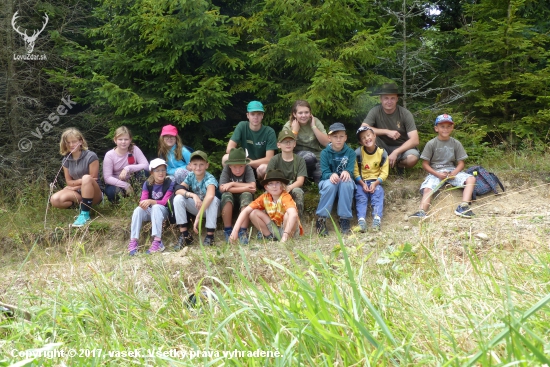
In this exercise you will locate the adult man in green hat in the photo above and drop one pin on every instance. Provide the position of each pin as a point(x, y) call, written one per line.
point(394, 127)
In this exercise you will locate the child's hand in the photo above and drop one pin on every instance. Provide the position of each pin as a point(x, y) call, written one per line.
point(196, 225)
point(234, 235)
point(129, 190)
point(345, 176)
point(251, 188)
point(393, 134)
point(312, 121)
point(144, 204)
point(225, 187)
point(372, 187)
point(123, 175)
point(334, 178)
point(198, 202)
point(295, 125)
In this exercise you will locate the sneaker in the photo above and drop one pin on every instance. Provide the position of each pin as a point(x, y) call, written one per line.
point(464, 211)
point(208, 241)
point(133, 247)
point(243, 236)
point(183, 241)
point(271, 237)
point(81, 220)
point(345, 227)
point(260, 236)
point(156, 246)
point(421, 214)
point(227, 233)
point(362, 225)
point(321, 226)
point(376, 223)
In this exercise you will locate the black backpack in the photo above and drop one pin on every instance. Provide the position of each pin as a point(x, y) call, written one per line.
point(485, 181)
point(170, 203)
point(359, 159)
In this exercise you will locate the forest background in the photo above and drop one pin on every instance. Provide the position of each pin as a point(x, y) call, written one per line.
point(196, 64)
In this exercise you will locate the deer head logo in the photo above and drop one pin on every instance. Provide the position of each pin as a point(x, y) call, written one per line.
point(29, 40)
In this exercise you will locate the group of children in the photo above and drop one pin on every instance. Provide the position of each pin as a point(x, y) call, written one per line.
point(180, 185)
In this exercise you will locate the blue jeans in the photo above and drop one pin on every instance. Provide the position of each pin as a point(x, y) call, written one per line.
point(376, 200)
point(329, 191)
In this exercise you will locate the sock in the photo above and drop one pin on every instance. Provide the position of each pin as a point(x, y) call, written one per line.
point(227, 229)
point(464, 203)
point(185, 233)
point(243, 229)
point(85, 204)
point(156, 239)
point(210, 236)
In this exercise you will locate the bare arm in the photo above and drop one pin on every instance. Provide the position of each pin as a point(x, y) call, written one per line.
point(245, 213)
point(265, 160)
point(230, 145)
point(426, 166)
point(298, 183)
point(321, 136)
point(240, 187)
point(182, 191)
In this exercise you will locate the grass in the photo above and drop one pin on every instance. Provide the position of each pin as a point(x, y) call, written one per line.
point(432, 295)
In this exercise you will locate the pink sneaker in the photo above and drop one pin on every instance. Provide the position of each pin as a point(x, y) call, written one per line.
point(133, 247)
point(156, 246)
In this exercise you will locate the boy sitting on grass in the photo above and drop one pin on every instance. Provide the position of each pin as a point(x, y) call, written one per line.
point(443, 158)
point(274, 213)
point(237, 183)
point(293, 167)
point(370, 172)
point(196, 195)
point(337, 162)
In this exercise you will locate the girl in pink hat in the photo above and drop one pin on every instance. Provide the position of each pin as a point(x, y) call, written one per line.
point(176, 155)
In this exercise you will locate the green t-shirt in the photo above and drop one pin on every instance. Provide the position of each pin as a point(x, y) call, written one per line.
point(255, 142)
point(400, 120)
point(292, 170)
point(306, 139)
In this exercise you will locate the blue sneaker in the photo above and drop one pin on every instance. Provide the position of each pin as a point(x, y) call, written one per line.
point(156, 246)
point(464, 211)
point(421, 214)
point(243, 236)
point(227, 233)
point(82, 219)
point(376, 223)
point(362, 225)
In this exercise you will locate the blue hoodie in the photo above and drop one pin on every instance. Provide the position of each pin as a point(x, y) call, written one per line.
point(337, 162)
point(173, 164)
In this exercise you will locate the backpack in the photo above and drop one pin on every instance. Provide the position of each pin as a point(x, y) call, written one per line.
point(485, 181)
point(170, 203)
point(359, 159)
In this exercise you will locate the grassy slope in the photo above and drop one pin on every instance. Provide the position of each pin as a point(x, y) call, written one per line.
point(415, 294)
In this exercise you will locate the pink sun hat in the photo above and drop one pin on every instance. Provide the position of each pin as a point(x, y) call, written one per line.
point(169, 130)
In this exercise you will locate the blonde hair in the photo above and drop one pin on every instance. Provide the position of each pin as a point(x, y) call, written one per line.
point(164, 149)
point(283, 185)
point(298, 103)
point(71, 133)
point(151, 178)
point(123, 130)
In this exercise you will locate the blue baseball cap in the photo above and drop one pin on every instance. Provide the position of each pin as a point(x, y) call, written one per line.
point(443, 118)
point(255, 106)
point(337, 126)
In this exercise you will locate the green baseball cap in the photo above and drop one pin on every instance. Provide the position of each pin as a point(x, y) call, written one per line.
point(199, 153)
point(285, 133)
point(255, 106)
